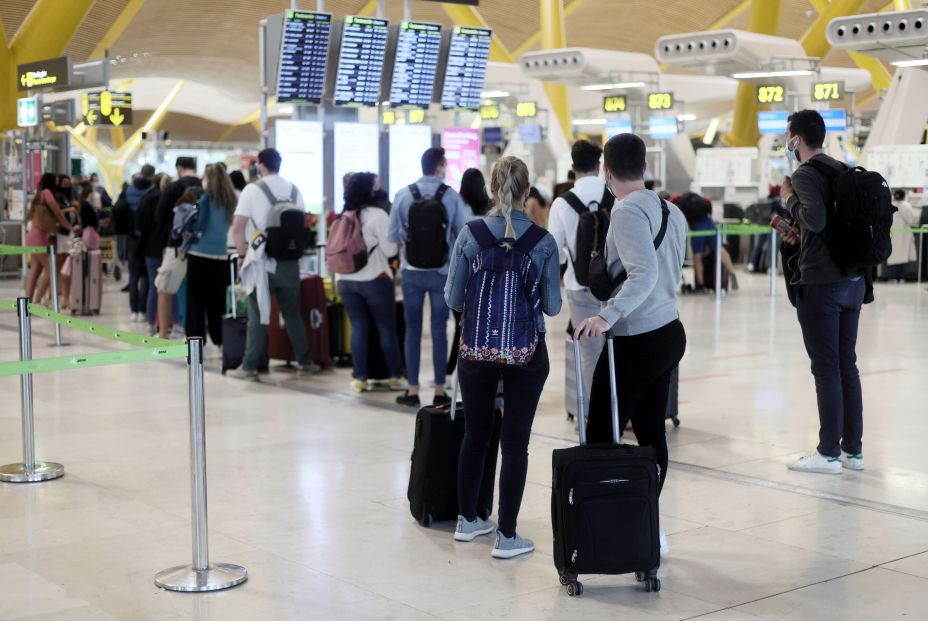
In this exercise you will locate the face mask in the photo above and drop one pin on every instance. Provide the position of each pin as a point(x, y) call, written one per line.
point(792, 153)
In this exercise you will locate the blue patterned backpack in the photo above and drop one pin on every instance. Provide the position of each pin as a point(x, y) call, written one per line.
point(501, 301)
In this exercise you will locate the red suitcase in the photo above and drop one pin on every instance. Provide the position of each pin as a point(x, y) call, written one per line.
point(86, 282)
point(313, 310)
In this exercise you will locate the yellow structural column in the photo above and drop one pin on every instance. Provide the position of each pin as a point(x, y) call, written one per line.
point(814, 41)
point(764, 19)
point(533, 40)
point(552, 38)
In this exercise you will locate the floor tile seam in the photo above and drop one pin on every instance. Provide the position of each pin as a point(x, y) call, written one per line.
point(902, 558)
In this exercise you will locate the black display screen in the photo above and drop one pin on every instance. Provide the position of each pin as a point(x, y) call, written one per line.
point(304, 50)
point(466, 70)
point(360, 61)
point(418, 46)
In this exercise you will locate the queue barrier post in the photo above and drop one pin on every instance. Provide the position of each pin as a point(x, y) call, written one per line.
point(201, 575)
point(921, 251)
point(718, 263)
point(773, 263)
point(53, 263)
point(29, 471)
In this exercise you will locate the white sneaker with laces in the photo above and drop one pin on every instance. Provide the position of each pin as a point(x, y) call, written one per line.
point(817, 463)
point(852, 462)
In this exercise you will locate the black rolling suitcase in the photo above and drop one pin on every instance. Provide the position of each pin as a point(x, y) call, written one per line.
point(433, 477)
point(234, 328)
point(604, 504)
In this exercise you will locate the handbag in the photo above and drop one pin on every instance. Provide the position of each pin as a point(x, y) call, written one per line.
point(45, 219)
point(172, 272)
point(91, 238)
point(602, 285)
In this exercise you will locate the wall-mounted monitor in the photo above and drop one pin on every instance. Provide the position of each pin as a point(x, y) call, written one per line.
point(663, 126)
point(493, 135)
point(304, 52)
point(416, 50)
point(407, 144)
point(835, 119)
point(357, 149)
point(466, 54)
point(772, 121)
point(530, 133)
point(360, 61)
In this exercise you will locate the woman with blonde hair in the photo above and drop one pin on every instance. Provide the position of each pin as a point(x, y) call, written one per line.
point(504, 274)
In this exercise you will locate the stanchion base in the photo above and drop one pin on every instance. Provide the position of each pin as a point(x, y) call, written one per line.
point(43, 471)
point(187, 579)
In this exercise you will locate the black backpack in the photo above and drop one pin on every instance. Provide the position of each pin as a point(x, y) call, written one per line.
point(591, 232)
point(859, 220)
point(287, 234)
point(427, 232)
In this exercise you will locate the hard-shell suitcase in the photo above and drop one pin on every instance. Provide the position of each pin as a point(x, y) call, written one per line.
point(314, 311)
point(234, 328)
point(433, 476)
point(604, 510)
point(87, 282)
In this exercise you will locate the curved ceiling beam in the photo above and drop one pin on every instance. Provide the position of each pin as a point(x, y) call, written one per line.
point(116, 29)
point(469, 16)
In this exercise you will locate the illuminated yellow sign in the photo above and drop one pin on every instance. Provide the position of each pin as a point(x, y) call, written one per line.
point(828, 91)
point(50, 73)
point(389, 117)
point(106, 108)
point(526, 109)
point(415, 117)
point(660, 101)
point(615, 103)
point(489, 113)
point(771, 93)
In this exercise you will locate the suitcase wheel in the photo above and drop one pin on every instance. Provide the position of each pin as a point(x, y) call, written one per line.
point(652, 584)
point(640, 576)
point(575, 589)
point(676, 421)
point(426, 520)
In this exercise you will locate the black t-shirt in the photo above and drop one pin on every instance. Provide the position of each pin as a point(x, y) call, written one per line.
point(164, 215)
point(89, 217)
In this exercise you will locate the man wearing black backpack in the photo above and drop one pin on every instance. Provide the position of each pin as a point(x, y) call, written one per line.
point(576, 217)
point(828, 202)
point(426, 218)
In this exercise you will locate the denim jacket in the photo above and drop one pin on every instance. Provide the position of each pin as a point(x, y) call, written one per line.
point(544, 256)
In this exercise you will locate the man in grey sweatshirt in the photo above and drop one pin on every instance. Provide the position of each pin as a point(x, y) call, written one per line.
point(642, 316)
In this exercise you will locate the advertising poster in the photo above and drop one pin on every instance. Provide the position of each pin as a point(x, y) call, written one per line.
point(462, 148)
point(407, 144)
point(300, 146)
point(357, 149)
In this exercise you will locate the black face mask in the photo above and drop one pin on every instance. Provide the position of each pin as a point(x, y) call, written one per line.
point(65, 190)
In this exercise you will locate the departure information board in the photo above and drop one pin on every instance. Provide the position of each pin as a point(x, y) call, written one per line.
point(304, 49)
point(466, 69)
point(418, 46)
point(360, 61)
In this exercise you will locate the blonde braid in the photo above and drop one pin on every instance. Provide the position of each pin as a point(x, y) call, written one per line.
point(509, 184)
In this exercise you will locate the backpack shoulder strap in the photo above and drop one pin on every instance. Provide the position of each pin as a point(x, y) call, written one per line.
point(294, 193)
point(440, 194)
point(414, 190)
point(824, 169)
point(665, 217)
point(267, 192)
point(482, 233)
point(530, 238)
point(608, 200)
point(574, 201)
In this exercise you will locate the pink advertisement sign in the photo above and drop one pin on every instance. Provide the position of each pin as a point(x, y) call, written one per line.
point(462, 149)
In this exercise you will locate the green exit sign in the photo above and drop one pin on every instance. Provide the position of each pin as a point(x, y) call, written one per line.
point(27, 112)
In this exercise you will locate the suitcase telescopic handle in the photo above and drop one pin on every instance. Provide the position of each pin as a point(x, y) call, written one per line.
point(581, 398)
point(454, 396)
point(233, 259)
point(613, 390)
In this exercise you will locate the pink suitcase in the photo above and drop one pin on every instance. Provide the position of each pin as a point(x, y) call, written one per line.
point(86, 283)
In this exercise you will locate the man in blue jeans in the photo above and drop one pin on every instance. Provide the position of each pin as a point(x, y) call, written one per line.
point(427, 237)
point(828, 303)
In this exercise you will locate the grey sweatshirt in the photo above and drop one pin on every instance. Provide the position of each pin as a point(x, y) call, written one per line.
point(809, 206)
point(648, 299)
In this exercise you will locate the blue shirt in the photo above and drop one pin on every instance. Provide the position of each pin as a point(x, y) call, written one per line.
point(213, 224)
point(545, 257)
point(399, 216)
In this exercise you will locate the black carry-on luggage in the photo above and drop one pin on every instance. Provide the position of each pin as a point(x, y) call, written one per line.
point(234, 328)
point(433, 477)
point(604, 504)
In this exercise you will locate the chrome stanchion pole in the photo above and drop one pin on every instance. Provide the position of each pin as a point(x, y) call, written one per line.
point(718, 263)
point(921, 252)
point(773, 263)
point(201, 575)
point(29, 471)
point(53, 263)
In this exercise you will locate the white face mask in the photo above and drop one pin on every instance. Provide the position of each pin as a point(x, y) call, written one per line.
point(792, 152)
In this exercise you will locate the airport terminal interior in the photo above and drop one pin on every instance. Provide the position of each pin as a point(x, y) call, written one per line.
point(176, 178)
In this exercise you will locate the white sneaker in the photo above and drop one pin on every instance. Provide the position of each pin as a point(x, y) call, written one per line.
point(468, 531)
point(818, 463)
point(134, 317)
point(852, 462)
point(665, 548)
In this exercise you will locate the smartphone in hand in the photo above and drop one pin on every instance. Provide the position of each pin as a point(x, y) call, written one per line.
point(782, 225)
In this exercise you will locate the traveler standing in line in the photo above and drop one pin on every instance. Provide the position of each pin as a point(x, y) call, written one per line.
point(537, 208)
point(523, 379)
point(904, 244)
point(158, 243)
point(146, 221)
point(45, 217)
point(282, 277)
point(126, 208)
point(207, 256)
point(588, 193)
point(238, 181)
point(648, 338)
point(426, 218)
point(369, 293)
point(828, 302)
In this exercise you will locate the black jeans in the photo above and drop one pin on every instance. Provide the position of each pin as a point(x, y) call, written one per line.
point(643, 366)
point(207, 283)
point(522, 386)
point(829, 316)
point(455, 343)
point(138, 277)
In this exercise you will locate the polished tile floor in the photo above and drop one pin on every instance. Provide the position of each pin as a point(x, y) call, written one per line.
point(307, 488)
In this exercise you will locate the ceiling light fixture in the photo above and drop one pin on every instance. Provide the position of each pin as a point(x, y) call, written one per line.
point(612, 86)
point(915, 62)
point(494, 94)
point(686, 117)
point(285, 109)
point(747, 75)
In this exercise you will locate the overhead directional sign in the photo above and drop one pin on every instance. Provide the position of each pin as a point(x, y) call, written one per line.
point(828, 91)
point(27, 112)
point(660, 101)
point(106, 108)
point(526, 109)
point(615, 103)
point(489, 112)
point(52, 73)
point(771, 93)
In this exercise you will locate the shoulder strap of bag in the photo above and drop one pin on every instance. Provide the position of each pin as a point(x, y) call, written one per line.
point(530, 238)
point(574, 201)
point(294, 193)
point(268, 193)
point(665, 218)
point(440, 194)
point(608, 201)
point(482, 233)
point(414, 190)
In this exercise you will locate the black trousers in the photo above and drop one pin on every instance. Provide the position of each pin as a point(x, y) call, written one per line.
point(522, 387)
point(207, 282)
point(455, 343)
point(643, 366)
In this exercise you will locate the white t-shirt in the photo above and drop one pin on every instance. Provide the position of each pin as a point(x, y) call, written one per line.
point(563, 222)
point(375, 225)
point(254, 204)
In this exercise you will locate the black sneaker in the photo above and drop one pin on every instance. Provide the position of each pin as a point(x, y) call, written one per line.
point(441, 400)
point(409, 400)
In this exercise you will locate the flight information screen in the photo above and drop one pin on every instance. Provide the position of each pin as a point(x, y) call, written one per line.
point(360, 62)
point(304, 50)
point(417, 49)
point(466, 70)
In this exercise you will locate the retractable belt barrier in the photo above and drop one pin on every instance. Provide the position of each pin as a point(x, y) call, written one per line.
point(13, 250)
point(200, 575)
